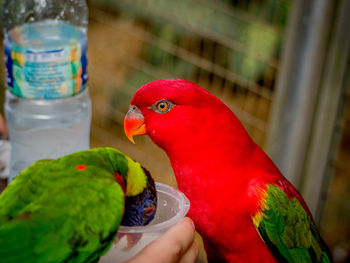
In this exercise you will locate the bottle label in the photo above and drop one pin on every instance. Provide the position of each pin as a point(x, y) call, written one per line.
point(47, 68)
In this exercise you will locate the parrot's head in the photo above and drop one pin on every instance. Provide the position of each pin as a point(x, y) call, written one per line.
point(140, 208)
point(177, 114)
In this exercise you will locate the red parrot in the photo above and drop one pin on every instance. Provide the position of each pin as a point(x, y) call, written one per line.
point(243, 207)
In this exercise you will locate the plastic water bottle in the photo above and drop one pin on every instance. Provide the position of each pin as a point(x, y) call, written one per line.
point(47, 107)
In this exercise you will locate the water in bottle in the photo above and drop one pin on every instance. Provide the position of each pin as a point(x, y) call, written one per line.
point(41, 129)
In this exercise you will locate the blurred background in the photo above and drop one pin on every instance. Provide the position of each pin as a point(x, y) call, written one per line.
point(282, 66)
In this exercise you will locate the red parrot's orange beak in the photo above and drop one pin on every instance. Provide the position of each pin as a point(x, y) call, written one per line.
point(134, 123)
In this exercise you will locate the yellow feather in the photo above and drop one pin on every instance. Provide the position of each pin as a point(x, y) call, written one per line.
point(261, 194)
point(138, 181)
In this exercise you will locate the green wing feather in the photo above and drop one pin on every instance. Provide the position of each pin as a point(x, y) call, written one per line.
point(288, 230)
point(63, 210)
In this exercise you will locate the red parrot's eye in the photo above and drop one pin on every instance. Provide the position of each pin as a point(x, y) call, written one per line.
point(162, 106)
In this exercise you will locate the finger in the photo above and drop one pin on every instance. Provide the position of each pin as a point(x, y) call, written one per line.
point(170, 247)
point(191, 254)
point(179, 239)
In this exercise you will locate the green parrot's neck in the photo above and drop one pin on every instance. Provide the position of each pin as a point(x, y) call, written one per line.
point(136, 180)
point(120, 181)
point(134, 177)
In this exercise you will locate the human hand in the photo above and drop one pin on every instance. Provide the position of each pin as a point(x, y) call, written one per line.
point(174, 246)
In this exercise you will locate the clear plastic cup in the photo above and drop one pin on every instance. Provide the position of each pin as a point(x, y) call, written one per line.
point(172, 206)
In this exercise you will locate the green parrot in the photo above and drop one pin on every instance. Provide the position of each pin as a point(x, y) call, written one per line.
point(69, 209)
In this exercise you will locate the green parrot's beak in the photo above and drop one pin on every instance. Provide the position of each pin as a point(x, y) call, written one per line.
point(134, 123)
